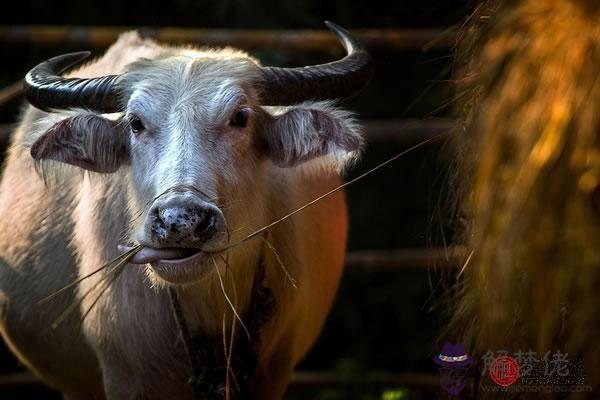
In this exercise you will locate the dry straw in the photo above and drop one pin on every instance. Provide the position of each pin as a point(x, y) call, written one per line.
point(528, 162)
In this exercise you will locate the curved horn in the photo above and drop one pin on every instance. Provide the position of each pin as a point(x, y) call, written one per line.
point(337, 79)
point(46, 89)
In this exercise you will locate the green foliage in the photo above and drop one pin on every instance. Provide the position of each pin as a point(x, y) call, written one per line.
point(393, 394)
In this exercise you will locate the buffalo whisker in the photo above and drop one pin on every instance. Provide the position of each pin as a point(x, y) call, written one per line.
point(228, 204)
point(241, 228)
point(136, 215)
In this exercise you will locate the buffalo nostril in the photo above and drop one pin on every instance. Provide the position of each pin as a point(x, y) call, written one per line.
point(205, 225)
point(158, 227)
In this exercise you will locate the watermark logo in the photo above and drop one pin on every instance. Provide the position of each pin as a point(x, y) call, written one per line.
point(453, 365)
point(517, 372)
point(530, 372)
point(504, 371)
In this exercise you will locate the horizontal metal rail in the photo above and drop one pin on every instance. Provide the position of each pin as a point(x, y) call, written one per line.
point(291, 40)
point(406, 130)
point(10, 92)
point(376, 260)
point(19, 379)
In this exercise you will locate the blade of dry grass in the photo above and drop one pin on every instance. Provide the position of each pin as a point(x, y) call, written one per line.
point(227, 298)
point(62, 290)
point(279, 261)
point(329, 193)
point(110, 278)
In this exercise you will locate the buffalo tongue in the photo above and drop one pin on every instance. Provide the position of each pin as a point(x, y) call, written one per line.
point(149, 254)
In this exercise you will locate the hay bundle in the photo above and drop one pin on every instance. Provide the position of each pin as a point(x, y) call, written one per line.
point(528, 156)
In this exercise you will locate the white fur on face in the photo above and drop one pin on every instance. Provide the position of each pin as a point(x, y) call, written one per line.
point(186, 106)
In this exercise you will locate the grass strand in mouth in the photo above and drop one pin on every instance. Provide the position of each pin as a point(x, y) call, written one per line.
point(107, 283)
point(62, 290)
point(110, 277)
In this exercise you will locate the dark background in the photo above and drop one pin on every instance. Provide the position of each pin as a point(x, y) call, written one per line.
point(383, 320)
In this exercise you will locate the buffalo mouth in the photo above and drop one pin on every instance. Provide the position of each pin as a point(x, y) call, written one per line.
point(174, 265)
point(167, 255)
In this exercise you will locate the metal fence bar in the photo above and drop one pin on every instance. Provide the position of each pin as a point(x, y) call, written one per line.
point(293, 40)
point(376, 260)
point(10, 92)
point(408, 130)
point(18, 379)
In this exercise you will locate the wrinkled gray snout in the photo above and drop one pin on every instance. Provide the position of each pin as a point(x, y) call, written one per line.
point(184, 220)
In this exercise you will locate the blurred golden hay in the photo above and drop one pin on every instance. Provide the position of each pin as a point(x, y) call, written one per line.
point(528, 157)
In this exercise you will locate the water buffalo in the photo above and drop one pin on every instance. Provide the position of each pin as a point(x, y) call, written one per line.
point(178, 152)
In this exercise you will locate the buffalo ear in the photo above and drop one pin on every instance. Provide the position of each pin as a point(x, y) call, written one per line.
point(308, 131)
point(87, 141)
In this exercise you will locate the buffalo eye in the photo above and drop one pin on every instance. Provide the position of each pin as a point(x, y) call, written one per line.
point(240, 118)
point(136, 124)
